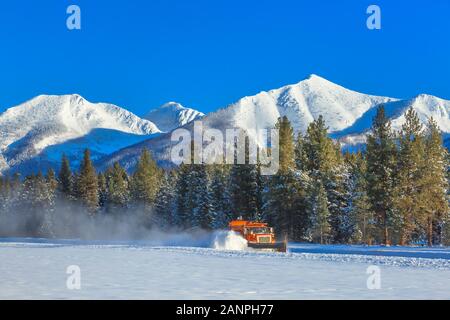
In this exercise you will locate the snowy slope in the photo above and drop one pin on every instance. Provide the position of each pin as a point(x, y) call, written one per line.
point(37, 270)
point(172, 115)
point(67, 123)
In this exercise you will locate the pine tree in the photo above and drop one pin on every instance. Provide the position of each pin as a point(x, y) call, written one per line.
point(11, 207)
point(3, 201)
point(28, 206)
point(286, 145)
point(87, 184)
point(52, 187)
point(320, 216)
point(145, 180)
point(338, 186)
point(301, 159)
point(51, 180)
point(361, 213)
point(220, 196)
point(381, 154)
point(118, 193)
point(434, 184)
point(321, 153)
point(324, 161)
point(36, 206)
point(244, 188)
point(285, 197)
point(15, 191)
point(183, 200)
point(201, 210)
point(408, 173)
point(193, 203)
point(102, 191)
point(48, 187)
point(65, 178)
point(2, 187)
point(165, 206)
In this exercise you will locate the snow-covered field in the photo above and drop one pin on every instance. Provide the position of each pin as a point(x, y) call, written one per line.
point(36, 269)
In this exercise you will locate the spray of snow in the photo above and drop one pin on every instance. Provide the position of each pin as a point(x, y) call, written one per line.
point(229, 240)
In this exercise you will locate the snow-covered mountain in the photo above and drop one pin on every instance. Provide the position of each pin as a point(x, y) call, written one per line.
point(172, 115)
point(426, 106)
point(34, 134)
point(302, 103)
point(347, 113)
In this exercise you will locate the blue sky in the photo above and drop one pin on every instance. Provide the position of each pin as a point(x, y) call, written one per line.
point(206, 54)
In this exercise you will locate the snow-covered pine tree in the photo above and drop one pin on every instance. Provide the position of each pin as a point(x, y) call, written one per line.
point(49, 189)
point(183, 197)
point(165, 202)
point(244, 188)
point(320, 229)
point(220, 196)
point(10, 214)
point(201, 211)
point(14, 203)
point(102, 191)
point(52, 182)
point(361, 215)
point(324, 161)
point(45, 200)
point(192, 198)
point(5, 194)
point(338, 186)
point(35, 202)
point(2, 195)
point(27, 205)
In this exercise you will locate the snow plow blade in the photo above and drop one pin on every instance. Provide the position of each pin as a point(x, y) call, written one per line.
point(278, 246)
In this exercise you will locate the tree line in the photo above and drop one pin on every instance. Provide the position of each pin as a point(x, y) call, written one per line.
point(392, 192)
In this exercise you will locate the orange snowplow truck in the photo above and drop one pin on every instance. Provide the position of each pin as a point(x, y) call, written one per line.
point(258, 235)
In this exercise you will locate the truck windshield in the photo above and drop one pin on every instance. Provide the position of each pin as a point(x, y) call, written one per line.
point(259, 230)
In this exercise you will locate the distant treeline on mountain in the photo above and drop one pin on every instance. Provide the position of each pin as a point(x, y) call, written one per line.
point(393, 192)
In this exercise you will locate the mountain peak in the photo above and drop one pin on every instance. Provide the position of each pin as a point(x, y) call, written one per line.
point(314, 80)
point(314, 76)
point(172, 115)
point(171, 105)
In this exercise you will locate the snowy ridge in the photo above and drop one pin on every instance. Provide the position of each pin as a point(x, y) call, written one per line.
point(172, 115)
point(46, 121)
